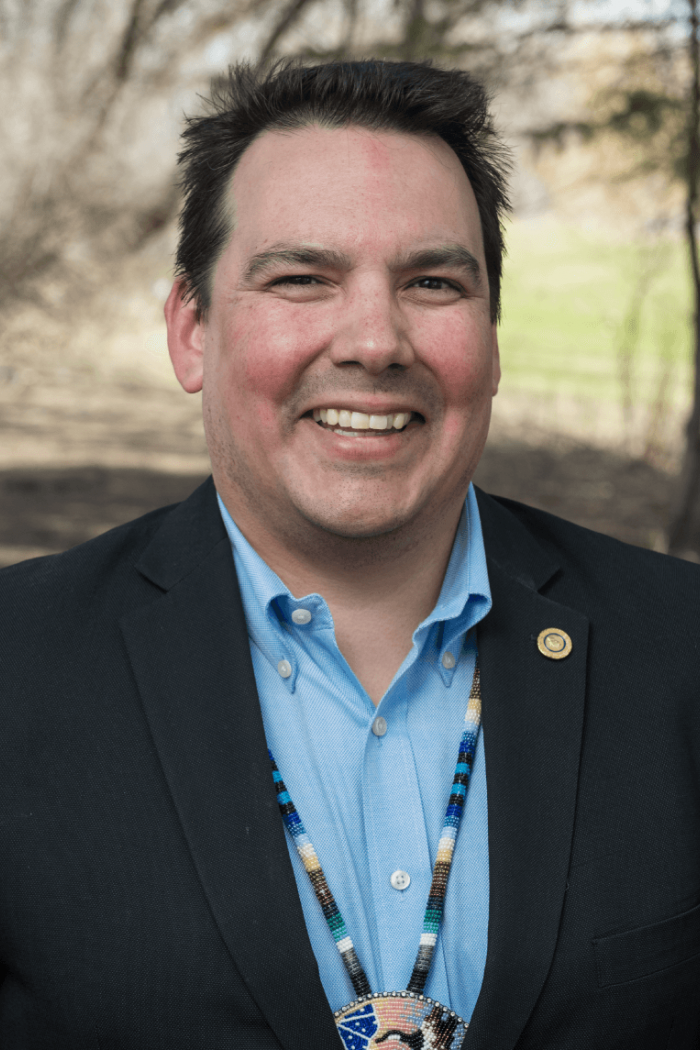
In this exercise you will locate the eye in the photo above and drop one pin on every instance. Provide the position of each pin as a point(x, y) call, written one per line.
point(435, 291)
point(436, 284)
point(299, 279)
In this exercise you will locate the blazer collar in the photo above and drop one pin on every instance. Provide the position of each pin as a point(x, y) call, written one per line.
point(185, 539)
point(511, 547)
point(191, 658)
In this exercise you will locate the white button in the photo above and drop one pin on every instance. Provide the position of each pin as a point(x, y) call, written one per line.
point(400, 880)
point(379, 726)
point(285, 668)
point(448, 660)
point(301, 616)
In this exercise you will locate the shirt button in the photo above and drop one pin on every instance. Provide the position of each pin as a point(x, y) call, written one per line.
point(379, 726)
point(285, 668)
point(301, 616)
point(400, 880)
point(448, 660)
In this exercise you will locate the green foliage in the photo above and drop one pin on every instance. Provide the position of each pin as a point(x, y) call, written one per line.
point(642, 114)
point(574, 309)
point(655, 122)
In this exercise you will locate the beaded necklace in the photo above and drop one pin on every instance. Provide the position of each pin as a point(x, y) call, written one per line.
point(373, 1018)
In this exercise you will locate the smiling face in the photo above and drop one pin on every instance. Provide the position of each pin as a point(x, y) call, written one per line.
point(348, 359)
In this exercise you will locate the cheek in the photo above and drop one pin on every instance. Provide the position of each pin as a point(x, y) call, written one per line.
point(461, 360)
point(266, 352)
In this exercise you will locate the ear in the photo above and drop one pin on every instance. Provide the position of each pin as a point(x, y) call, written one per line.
point(185, 339)
point(495, 359)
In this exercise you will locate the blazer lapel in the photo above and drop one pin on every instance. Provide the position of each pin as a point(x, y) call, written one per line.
point(190, 655)
point(532, 723)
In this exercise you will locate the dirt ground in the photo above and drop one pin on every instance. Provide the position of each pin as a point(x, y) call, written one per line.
point(69, 473)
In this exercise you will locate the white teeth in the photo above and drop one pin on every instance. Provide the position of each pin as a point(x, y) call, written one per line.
point(349, 421)
point(378, 422)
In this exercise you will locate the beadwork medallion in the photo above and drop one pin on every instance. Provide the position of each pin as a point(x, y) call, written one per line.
point(388, 1020)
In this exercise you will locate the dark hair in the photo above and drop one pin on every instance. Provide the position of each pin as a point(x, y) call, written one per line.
point(409, 97)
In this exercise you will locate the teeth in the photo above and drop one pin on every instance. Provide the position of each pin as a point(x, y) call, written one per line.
point(349, 421)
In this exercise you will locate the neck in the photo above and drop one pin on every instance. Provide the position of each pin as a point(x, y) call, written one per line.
point(378, 589)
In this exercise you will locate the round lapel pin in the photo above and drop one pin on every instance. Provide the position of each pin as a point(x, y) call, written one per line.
point(554, 643)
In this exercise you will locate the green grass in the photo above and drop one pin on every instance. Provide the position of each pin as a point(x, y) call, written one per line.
point(570, 304)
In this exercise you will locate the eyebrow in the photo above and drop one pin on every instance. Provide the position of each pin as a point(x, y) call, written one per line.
point(324, 258)
point(447, 255)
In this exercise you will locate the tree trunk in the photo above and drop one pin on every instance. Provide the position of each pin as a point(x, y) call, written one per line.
point(684, 530)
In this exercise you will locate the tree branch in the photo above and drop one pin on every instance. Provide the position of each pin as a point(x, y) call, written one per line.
point(289, 16)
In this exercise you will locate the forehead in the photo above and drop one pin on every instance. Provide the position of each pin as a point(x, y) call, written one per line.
point(317, 183)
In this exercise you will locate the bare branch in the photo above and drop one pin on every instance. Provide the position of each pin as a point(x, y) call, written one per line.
point(289, 16)
point(62, 21)
point(351, 10)
point(164, 8)
point(125, 54)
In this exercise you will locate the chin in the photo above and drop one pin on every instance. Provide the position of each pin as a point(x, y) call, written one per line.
point(354, 525)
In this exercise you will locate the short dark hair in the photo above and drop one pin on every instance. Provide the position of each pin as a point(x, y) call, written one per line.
point(409, 97)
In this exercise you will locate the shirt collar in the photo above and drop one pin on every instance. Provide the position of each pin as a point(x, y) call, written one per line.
point(464, 600)
point(465, 595)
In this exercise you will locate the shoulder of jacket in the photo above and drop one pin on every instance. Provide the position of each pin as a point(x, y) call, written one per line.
point(86, 564)
point(592, 558)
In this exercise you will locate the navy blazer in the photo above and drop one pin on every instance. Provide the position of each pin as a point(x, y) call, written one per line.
point(147, 899)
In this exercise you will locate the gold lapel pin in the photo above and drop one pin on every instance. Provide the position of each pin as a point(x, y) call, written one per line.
point(554, 643)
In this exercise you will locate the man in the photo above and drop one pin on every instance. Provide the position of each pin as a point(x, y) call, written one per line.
point(327, 597)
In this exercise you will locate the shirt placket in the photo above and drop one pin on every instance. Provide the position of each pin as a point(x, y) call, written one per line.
point(397, 841)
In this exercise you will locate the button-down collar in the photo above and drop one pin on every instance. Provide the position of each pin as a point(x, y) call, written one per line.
point(465, 595)
point(269, 605)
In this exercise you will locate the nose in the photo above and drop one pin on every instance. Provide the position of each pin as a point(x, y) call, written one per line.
point(372, 331)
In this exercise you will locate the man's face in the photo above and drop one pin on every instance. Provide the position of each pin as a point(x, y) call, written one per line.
point(348, 359)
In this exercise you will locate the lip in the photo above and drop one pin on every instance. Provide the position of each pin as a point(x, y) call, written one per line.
point(375, 447)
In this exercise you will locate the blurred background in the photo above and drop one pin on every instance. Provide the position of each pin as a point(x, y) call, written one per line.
point(598, 417)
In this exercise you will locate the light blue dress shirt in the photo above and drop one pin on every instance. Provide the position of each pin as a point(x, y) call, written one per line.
point(374, 805)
